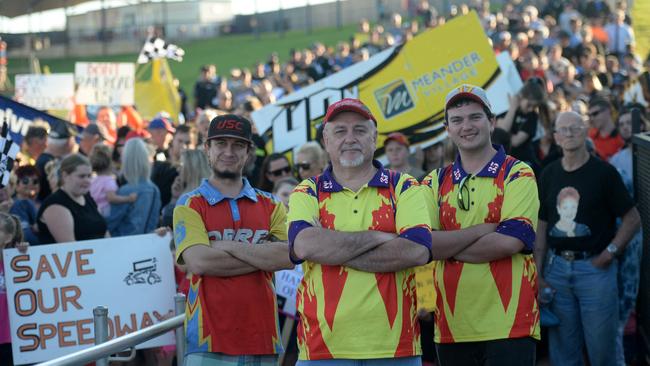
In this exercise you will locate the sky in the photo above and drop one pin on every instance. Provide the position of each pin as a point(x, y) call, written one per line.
point(55, 19)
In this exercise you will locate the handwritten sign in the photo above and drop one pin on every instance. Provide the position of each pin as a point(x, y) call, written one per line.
point(52, 290)
point(46, 92)
point(105, 83)
point(286, 286)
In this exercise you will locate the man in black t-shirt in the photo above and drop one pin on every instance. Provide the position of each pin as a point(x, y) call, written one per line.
point(581, 197)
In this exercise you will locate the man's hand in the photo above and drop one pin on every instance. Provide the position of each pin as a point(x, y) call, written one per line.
point(22, 247)
point(603, 260)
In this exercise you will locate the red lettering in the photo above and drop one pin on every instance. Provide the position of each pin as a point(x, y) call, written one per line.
point(65, 333)
point(65, 298)
point(16, 268)
point(22, 335)
point(82, 331)
point(45, 332)
point(44, 267)
point(41, 303)
point(82, 262)
point(18, 305)
point(120, 331)
point(62, 270)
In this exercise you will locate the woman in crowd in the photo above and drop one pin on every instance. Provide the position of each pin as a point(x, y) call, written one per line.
point(25, 204)
point(310, 161)
point(141, 216)
point(275, 167)
point(70, 214)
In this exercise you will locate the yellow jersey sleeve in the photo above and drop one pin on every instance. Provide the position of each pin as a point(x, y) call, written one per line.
point(189, 230)
point(520, 205)
point(430, 185)
point(279, 222)
point(412, 219)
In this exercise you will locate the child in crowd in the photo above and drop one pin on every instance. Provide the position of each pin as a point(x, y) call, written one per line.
point(11, 236)
point(103, 188)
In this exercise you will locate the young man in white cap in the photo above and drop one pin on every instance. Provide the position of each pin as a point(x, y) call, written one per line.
point(484, 209)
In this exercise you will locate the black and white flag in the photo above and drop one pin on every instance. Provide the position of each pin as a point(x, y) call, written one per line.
point(8, 152)
point(156, 47)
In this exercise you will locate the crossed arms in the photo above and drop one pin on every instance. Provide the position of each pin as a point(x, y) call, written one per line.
point(368, 251)
point(475, 244)
point(226, 258)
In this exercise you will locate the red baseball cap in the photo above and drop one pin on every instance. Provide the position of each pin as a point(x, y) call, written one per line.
point(348, 105)
point(397, 137)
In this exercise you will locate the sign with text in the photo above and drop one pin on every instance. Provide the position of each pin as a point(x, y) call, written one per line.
point(404, 87)
point(286, 285)
point(52, 290)
point(46, 92)
point(425, 287)
point(105, 83)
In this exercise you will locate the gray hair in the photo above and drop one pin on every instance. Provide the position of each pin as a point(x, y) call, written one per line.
point(135, 162)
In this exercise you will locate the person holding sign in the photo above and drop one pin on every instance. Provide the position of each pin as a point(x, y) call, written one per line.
point(232, 238)
point(484, 208)
point(359, 228)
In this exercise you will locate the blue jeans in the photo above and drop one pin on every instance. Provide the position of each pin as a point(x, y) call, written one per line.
point(586, 303)
point(404, 361)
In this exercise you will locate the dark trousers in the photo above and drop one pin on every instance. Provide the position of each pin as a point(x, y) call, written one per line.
point(500, 352)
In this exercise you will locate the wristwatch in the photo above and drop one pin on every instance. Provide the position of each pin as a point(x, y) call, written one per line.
point(612, 249)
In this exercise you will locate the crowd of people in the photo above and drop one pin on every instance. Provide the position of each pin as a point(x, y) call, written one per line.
point(586, 92)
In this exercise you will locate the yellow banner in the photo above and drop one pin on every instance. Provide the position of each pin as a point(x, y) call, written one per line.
point(425, 290)
point(404, 87)
point(156, 93)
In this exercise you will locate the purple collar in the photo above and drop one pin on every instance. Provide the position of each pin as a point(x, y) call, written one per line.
point(490, 170)
point(327, 183)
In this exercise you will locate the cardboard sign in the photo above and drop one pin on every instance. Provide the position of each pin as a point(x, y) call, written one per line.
point(286, 286)
point(46, 92)
point(425, 287)
point(52, 290)
point(403, 86)
point(105, 83)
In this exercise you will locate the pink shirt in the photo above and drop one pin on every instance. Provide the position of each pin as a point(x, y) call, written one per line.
point(5, 335)
point(101, 185)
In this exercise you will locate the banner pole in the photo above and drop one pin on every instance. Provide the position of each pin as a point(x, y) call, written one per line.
point(179, 300)
point(100, 316)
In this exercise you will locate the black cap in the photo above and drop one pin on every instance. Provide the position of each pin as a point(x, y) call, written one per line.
point(62, 130)
point(230, 125)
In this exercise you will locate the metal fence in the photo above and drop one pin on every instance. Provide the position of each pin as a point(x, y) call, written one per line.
point(103, 349)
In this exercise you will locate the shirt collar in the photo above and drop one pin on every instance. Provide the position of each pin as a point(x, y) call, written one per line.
point(327, 183)
point(213, 196)
point(490, 170)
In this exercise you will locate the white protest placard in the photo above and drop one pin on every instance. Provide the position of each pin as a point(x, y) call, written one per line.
point(286, 286)
point(45, 92)
point(105, 83)
point(52, 290)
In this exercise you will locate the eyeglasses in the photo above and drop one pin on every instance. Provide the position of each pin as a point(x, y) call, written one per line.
point(463, 194)
point(281, 171)
point(27, 180)
point(303, 166)
point(573, 129)
point(595, 113)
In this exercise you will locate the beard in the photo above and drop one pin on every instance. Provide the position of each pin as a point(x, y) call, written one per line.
point(226, 175)
point(351, 163)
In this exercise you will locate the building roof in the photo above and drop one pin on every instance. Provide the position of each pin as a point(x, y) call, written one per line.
point(13, 8)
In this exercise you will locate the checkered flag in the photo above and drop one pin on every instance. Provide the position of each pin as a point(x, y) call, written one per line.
point(157, 48)
point(8, 152)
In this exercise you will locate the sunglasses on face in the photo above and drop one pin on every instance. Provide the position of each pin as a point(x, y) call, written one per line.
point(27, 180)
point(303, 166)
point(280, 172)
point(595, 113)
point(463, 194)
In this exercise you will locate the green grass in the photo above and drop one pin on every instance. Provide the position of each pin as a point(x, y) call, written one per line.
point(226, 52)
point(641, 25)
